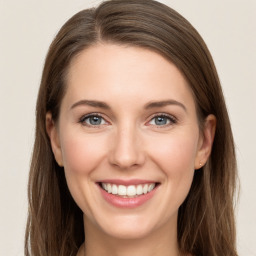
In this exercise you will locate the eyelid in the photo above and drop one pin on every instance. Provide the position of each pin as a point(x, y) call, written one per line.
point(84, 117)
point(173, 119)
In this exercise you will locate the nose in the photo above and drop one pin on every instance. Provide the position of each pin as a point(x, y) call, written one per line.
point(127, 149)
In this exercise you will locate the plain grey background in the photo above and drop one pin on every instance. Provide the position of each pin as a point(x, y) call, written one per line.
point(26, 29)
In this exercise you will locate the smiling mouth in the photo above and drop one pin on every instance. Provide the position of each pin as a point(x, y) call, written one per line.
point(130, 191)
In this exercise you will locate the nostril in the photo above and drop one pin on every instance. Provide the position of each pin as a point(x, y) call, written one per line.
point(126, 151)
point(127, 159)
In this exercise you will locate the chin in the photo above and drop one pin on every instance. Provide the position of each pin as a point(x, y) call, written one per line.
point(129, 227)
point(128, 232)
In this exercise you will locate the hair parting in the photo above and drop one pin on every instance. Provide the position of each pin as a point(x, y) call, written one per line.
point(206, 223)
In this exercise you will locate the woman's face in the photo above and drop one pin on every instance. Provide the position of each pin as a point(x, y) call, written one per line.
point(128, 138)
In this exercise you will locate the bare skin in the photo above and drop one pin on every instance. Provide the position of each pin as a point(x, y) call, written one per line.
point(128, 113)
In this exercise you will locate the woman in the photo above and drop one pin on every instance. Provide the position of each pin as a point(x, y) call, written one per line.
point(134, 153)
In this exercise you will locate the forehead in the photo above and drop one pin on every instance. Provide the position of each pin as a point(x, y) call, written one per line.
point(108, 71)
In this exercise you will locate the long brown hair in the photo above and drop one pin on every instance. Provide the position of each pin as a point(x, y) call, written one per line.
point(206, 218)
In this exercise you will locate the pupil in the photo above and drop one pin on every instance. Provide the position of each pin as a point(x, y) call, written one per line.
point(95, 120)
point(161, 120)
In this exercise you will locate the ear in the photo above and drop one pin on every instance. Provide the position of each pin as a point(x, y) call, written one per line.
point(205, 141)
point(52, 132)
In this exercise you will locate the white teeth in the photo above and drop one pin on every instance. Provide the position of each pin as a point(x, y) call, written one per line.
point(139, 190)
point(105, 186)
point(130, 191)
point(121, 190)
point(145, 189)
point(151, 187)
point(109, 188)
point(114, 189)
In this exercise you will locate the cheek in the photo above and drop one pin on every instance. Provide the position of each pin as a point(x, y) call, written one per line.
point(81, 156)
point(176, 160)
point(81, 153)
point(176, 154)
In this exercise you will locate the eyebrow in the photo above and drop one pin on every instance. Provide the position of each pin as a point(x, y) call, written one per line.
point(157, 104)
point(92, 103)
point(153, 104)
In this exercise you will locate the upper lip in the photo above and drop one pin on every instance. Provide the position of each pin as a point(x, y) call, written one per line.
point(127, 182)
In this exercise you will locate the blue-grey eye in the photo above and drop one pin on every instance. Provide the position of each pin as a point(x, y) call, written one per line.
point(160, 120)
point(94, 120)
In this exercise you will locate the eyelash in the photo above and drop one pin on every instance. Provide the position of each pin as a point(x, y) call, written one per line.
point(172, 120)
point(83, 120)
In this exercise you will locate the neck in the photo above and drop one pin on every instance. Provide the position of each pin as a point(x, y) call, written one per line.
point(162, 242)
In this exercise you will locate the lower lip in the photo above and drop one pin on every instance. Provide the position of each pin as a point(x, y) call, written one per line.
point(121, 202)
